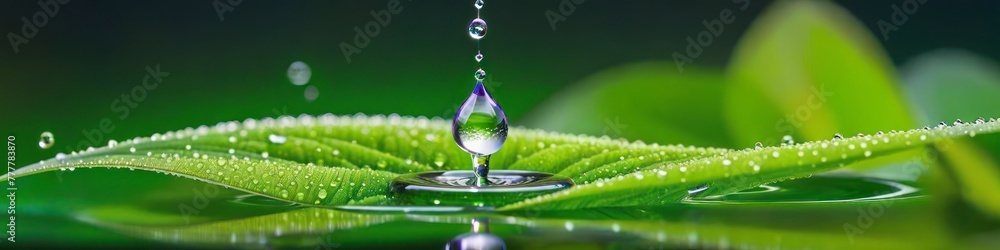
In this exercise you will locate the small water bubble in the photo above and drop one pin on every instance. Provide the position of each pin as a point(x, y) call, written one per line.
point(787, 140)
point(477, 29)
point(439, 159)
point(299, 73)
point(311, 93)
point(46, 140)
point(838, 136)
point(336, 152)
point(698, 190)
point(277, 139)
point(758, 145)
point(480, 75)
point(868, 153)
point(860, 135)
point(131, 150)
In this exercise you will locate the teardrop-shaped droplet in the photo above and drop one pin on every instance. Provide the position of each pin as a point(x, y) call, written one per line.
point(477, 29)
point(479, 4)
point(480, 126)
point(479, 57)
point(480, 75)
point(46, 140)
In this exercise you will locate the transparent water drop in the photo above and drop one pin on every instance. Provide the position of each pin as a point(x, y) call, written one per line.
point(46, 140)
point(60, 156)
point(698, 190)
point(927, 127)
point(480, 126)
point(311, 93)
point(787, 140)
point(322, 194)
point(758, 145)
point(879, 134)
point(980, 120)
point(479, 4)
point(299, 73)
point(838, 136)
point(477, 29)
point(479, 57)
point(277, 139)
point(480, 75)
point(958, 122)
point(112, 143)
point(942, 125)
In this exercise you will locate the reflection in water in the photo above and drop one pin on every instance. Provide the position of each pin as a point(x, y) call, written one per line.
point(480, 238)
point(818, 189)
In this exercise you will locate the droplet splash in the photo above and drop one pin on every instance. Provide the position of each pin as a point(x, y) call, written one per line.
point(46, 140)
point(477, 29)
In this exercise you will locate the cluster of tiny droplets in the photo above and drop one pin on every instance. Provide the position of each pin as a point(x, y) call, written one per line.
point(477, 30)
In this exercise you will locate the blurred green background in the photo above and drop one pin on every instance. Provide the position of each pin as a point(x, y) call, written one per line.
point(607, 69)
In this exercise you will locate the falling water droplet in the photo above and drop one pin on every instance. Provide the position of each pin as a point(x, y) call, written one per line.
point(758, 145)
point(787, 140)
point(480, 75)
point(698, 190)
point(838, 136)
point(46, 140)
point(480, 126)
point(477, 29)
point(299, 73)
point(479, 57)
point(277, 139)
point(479, 4)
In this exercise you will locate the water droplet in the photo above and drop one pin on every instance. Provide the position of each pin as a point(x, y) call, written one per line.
point(265, 155)
point(980, 120)
point(927, 128)
point(222, 161)
point(479, 57)
point(879, 134)
point(480, 75)
point(868, 153)
point(299, 73)
point(477, 29)
point(480, 126)
point(758, 145)
point(942, 125)
point(479, 4)
point(336, 152)
point(311, 93)
point(46, 140)
point(838, 136)
point(958, 122)
point(726, 162)
point(381, 163)
point(131, 150)
point(698, 190)
point(277, 139)
point(60, 156)
point(322, 194)
point(787, 140)
point(112, 143)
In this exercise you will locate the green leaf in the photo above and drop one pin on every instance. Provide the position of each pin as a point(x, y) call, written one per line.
point(670, 181)
point(648, 101)
point(808, 69)
point(285, 159)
